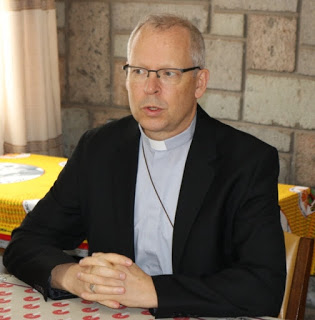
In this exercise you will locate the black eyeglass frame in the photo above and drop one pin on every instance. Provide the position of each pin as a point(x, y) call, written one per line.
point(126, 66)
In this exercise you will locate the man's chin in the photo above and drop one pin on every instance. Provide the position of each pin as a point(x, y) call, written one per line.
point(154, 132)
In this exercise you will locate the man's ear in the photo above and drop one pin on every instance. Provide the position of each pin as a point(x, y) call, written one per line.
point(201, 83)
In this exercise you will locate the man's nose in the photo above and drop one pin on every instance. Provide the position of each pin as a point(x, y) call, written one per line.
point(152, 83)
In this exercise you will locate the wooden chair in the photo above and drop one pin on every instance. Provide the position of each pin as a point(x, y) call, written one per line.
point(299, 251)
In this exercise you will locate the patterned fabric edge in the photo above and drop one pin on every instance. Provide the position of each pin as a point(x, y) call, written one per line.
point(51, 147)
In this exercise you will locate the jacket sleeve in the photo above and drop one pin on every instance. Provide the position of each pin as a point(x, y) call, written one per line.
point(54, 225)
point(252, 281)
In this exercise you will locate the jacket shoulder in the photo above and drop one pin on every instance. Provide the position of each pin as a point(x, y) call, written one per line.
point(103, 140)
point(120, 127)
point(232, 138)
point(116, 130)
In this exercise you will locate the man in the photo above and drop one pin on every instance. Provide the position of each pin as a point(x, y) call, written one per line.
point(180, 210)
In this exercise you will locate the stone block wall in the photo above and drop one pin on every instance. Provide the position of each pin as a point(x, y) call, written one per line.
point(261, 56)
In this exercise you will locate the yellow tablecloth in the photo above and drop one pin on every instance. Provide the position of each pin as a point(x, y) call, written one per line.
point(297, 205)
point(24, 180)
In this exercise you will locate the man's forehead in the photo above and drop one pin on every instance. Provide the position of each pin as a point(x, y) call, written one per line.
point(151, 30)
point(149, 37)
point(160, 47)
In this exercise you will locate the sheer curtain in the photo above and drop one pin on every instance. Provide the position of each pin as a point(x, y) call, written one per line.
point(30, 116)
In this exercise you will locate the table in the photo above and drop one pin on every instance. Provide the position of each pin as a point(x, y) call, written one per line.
point(25, 179)
point(297, 205)
point(20, 301)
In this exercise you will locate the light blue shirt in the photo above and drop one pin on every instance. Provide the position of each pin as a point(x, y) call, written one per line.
point(153, 231)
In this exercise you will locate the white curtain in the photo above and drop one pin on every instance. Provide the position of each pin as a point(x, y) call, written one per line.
point(30, 116)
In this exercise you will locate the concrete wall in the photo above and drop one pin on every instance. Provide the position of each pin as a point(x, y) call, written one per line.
point(261, 55)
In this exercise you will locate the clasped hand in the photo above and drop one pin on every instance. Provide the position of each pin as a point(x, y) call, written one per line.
point(116, 280)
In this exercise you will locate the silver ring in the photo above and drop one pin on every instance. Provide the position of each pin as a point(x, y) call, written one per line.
point(92, 286)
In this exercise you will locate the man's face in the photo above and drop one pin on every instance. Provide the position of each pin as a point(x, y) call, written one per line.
point(162, 110)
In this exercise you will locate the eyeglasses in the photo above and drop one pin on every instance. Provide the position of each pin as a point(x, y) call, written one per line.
point(166, 75)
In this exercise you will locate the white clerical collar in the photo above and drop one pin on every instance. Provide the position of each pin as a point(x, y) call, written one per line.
point(157, 145)
point(173, 142)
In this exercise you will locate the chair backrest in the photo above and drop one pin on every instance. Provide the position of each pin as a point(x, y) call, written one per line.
point(299, 251)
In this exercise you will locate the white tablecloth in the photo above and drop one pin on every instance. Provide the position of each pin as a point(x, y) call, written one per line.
point(19, 301)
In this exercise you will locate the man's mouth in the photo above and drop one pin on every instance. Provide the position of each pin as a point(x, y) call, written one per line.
point(152, 110)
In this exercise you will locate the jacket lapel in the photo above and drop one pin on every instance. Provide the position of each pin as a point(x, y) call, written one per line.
point(124, 182)
point(198, 175)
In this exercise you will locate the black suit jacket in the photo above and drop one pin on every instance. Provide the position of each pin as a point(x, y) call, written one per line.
point(228, 250)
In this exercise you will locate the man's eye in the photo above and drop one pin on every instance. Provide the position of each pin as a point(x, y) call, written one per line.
point(138, 71)
point(169, 73)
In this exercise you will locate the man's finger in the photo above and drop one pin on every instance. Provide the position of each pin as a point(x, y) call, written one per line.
point(114, 258)
point(106, 302)
point(104, 295)
point(111, 277)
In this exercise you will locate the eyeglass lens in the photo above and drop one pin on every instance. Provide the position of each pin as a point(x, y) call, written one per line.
point(165, 75)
